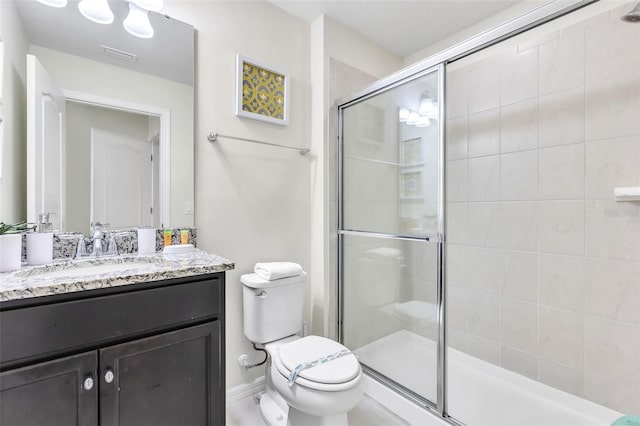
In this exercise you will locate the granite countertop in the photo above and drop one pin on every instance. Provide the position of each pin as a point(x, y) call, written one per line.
point(68, 276)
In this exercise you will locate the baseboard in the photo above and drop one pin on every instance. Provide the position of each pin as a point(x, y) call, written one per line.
point(244, 390)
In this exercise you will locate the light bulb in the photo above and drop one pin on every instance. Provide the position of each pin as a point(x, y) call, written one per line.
point(150, 5)
point(96, 11)
point(137, 22)
point(54, 3)
point(412, 118)
point(403, 113)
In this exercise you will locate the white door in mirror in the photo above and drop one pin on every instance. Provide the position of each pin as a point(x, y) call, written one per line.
point(46, 111)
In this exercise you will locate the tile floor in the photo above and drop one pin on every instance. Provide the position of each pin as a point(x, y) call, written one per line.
point(245, 412)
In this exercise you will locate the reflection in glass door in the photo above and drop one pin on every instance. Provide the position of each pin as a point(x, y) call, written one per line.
point(390, 230)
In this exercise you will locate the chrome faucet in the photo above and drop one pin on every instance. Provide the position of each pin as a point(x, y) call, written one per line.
point(97, 235)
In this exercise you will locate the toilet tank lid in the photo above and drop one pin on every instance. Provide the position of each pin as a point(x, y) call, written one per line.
point(254, 281)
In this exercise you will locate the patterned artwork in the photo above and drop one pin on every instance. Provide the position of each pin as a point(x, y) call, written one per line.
point(263, 93)
point(411, 151)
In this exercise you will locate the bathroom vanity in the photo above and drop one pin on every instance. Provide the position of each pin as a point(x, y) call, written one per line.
point(138, 342)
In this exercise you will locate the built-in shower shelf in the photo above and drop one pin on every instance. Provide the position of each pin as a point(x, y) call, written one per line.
point(630, 193)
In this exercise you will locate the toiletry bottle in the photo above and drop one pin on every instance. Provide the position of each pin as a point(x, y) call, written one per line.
point(184, 236)
point(167, 234)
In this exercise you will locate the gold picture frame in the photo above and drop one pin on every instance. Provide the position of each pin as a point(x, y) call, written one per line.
point(262, 93)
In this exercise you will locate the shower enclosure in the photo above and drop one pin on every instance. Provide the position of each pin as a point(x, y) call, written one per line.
point(529, 127)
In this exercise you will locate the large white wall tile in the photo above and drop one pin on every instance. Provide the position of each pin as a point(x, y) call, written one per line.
point(517, 227)
point(562, 336)
point(562, 281)
point(483, 314)
point(457, 180)
point(483, 88)
point(519, 77)
point(484, 178)
point(457, 311)
point(612, 163)
point(562, 118)
point(519, 275)
point(457, 138)
point(457, 264)
point(562, 227)
point(482, 223)
point(520, 362)
point(457, 91)
point(482, 348)
point(483, 269)
point(613, 289)
point(562, 62)
point(519, 126)
point(613, 108)
point(612, 229)
point(619, 396)
point(613, 50)
point(612, 350)
point(562, 173)
point(519, 325)
point(456, 223)
point(519, 176)
point(561, 377)
point(483, 133)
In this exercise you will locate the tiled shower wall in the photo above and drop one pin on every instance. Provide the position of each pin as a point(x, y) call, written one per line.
point(543, 265)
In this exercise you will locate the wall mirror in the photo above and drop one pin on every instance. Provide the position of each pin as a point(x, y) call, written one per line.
point(109, 119)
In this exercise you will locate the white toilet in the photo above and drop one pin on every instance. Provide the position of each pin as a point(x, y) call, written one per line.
point(321, 394)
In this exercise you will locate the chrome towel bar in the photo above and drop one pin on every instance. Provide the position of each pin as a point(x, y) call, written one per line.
point(213, 137)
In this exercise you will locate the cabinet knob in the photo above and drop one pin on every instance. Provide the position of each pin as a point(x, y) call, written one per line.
point(108, 376)
point(88, 383)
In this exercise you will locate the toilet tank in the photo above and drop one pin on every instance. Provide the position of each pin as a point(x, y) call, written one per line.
point(272, 309)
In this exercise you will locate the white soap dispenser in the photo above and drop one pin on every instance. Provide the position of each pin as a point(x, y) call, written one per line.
point(40, 243)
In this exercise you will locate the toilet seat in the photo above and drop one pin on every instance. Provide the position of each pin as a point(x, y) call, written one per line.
point(335, 375)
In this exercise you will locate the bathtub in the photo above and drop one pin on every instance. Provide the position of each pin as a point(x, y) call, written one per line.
point(480, 393)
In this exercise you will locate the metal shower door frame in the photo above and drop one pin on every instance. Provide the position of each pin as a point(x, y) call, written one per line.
point(437, 406)
point(434, 63)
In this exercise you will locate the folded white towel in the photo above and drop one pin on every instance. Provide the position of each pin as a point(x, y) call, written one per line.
point(275, 270)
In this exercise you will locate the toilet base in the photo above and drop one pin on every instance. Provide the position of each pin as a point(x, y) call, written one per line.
point(298, 418)
point(271, 413)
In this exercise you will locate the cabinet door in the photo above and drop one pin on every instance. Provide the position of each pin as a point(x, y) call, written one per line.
point(171, 379)
point(59, 392)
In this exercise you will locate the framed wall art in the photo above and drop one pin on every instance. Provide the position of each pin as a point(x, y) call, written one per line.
point(262, 93)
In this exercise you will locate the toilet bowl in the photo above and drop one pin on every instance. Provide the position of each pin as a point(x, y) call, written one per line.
point(310, 381)
point(320, 395)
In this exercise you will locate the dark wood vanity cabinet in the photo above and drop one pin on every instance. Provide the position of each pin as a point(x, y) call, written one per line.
point(150, 355)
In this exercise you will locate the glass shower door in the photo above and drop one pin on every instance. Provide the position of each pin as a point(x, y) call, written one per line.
point(390, 228)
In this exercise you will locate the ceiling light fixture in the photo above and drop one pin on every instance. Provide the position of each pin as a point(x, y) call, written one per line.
point(96, 11)
point(423, 121)
point(150, 5)
point(412, 118)
point(427, 105)
point(137, 22)
point(54, 3)
point(403, 113)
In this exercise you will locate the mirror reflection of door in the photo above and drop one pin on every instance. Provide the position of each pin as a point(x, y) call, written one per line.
point(121, 170)
point(45, 145)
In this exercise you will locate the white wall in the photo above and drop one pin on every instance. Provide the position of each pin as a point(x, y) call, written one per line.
point(13, 184)
point(252, 201)
point(356, 61)
point(80, 119)
point(82, 75)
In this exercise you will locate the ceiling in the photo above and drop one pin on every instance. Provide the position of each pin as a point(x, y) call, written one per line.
point(169, 54)
point(401, 26)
